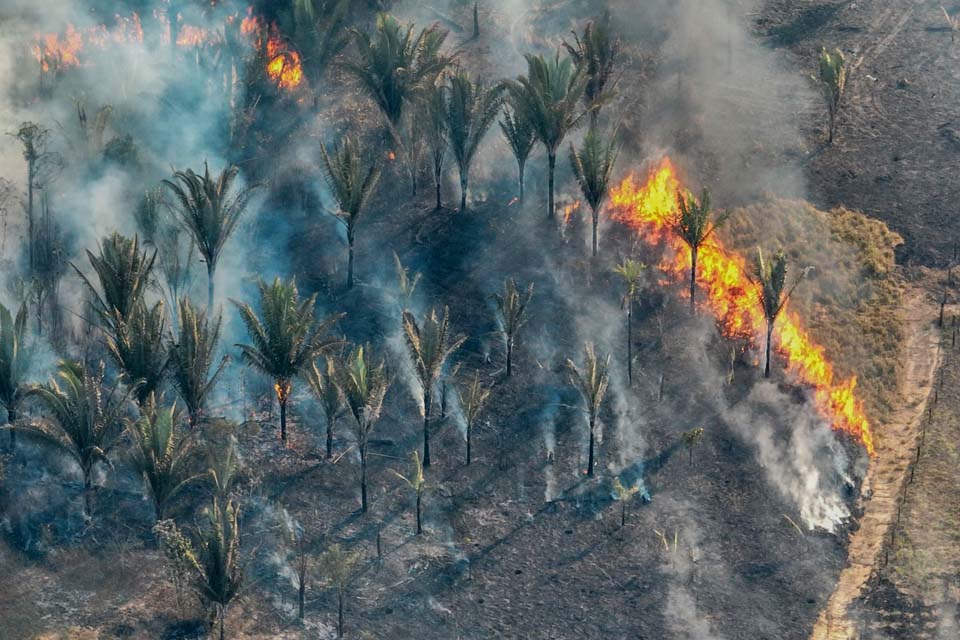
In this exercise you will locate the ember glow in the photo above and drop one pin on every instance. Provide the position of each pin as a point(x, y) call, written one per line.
point(733, 299)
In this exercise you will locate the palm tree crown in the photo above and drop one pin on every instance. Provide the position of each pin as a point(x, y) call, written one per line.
point(193, 352)
point(593, 167)
point(124, 273)
point(15, 357)
point(591, 381)
point(694, 223)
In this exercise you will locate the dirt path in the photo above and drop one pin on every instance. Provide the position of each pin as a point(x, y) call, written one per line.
point(897, 442)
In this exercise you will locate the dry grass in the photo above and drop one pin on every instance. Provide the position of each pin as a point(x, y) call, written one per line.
point(851, 301)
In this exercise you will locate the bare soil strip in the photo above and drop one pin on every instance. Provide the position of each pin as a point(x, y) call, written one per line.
point(897, 439)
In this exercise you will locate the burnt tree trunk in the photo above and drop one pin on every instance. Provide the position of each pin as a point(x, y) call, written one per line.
point(590, 454)
point(509, 356)
point(596, 219)
point(301, 596)
point(693, 280)
point(350, 258)
point(211, 272)
point(469, 433)
point(419, 521)
point(552, 160)
point(11, 419)
point(283, 417)
point(363, 479)
point(766, 368)
point(521, 164)
point(463, 189)
point(339, 613)
point(629, 340)
point(427, 401)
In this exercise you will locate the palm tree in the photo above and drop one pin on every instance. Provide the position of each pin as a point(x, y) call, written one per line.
point(286, 340)
point(547, 98)
point(124, 273)
point(471, 110)
point(472, 399)
point(217, 563)
point(192, 354)
point(596, 53)
point(694, 224)
point(340, 568)
point(139, 350)
point(418, 482)
point(437, 131)
point(352, 174)
point(364, 388)
point(322, 382)
point(521, 137)
point(84, 420)
point(593, 165)
point(591, 382)
point(209, 210)
point(770, 278)
point(430, 346)
point(15, 357)
point(512, 315)
point(632, 273)
point(161, 454)
point(406, 285)
point(319, 34)
point(832, 76)
point(393, 65)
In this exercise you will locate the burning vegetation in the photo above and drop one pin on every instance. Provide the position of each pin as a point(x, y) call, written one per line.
point(230, 314)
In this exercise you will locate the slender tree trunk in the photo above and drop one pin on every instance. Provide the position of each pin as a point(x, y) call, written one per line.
point(521, 169)
point(832, 114)
point(552, 160)
point(363, 480)
point(350, 258)
point(340, 613)
point(283, 416)
point(596, 219)
point(443, 400)
point(419, 521)
point(630, 340)
point(211, 272)
point(623, 514)
point(11, 419)
point(464, 177)
point(427, 399)
point(439, 203)
point(509, 356)
point(590, 454)
point(766, 367)
point(476, 20)
point(469, 430)
point(30, 231)
point(329, 438)
point(222, 615)
point(87, 493)
point(302, 596)
point(693, 279)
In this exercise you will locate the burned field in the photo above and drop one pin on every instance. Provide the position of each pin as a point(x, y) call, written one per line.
point(330, 327)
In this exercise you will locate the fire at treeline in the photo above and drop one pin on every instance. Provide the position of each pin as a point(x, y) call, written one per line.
point(140, 349)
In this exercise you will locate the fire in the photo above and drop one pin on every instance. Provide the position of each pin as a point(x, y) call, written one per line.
point(734, 301)
point(282, 390)
point(569, 210)
point(52, 52)
point(191, 36)
point(285, 70)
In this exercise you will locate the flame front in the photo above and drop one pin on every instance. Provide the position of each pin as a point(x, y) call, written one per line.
point(734, 300)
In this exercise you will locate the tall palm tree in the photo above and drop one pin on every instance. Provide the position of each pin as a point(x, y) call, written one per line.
point(694, 224)
point(123, 272)
point(161, 454)
point(437, 132)
point(352, 174)
point(82, 418)
point(593, 166)
point(472, 398)
point(364, 387)
point(596, 52)
point(418, 482)
point(322, 382)
point(548, 98)
point(393, 65)
point(192, 357)
point(287, 338)
point(340, 567)
point(209, 209)
point(521, 137)
point(591, 382)
point(512, 315)
point(138, 349)
point(632, 273)
point(770, 278)
point(15, 357)
point(471, 110)
point(430, 346)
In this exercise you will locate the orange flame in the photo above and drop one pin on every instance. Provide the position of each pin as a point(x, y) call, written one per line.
point(285, 70)
point(733, 299)
point(569, 210)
